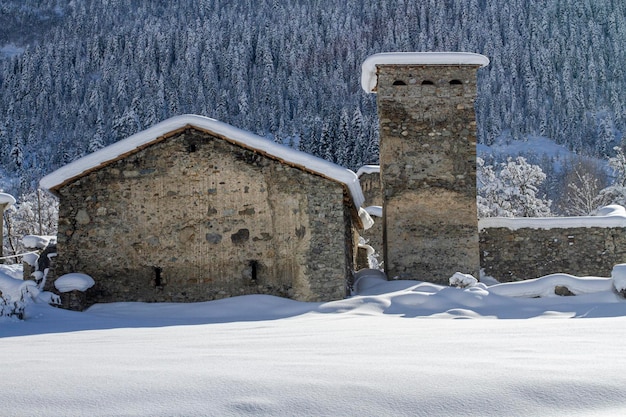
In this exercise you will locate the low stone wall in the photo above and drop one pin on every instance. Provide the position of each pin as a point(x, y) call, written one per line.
point(513, 253)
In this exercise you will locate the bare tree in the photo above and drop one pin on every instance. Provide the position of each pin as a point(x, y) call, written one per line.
point(581, 188)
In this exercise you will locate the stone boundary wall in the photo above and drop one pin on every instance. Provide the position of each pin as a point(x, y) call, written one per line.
point(515, 254)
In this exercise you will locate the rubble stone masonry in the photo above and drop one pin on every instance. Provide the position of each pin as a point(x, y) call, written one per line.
point(428, 170)
point(526, 253)
point(194, 218)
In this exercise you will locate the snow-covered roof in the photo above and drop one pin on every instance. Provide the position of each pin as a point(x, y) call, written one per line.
point(368, 69)
point(216, 128)
point(7, 199)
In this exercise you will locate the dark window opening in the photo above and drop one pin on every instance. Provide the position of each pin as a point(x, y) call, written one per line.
point(254, 267)
point(399, 82)
point(427, 82)
point(192, 148)
point(456, 82)
point(158, 279)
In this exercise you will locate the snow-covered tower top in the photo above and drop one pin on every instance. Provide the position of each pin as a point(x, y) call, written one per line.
point(369, 75)
point(6, 199)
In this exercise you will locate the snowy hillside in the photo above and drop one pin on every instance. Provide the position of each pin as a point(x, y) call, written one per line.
point(75, 76)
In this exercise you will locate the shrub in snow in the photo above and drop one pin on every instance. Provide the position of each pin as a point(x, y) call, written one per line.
point(14, 294)
point(10, 308)
point(461, 280)
point(35, 213)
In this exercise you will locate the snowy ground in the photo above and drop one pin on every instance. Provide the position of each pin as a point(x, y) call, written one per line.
point(397, 348)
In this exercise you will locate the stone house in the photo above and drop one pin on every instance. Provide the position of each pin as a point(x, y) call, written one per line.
point(193, 209)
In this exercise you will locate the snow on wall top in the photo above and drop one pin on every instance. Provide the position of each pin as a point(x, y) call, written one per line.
point(38, 242)
point(368, 169)
point(368, 68)
point(244, 138)
point(609, 216)
point(7, 199)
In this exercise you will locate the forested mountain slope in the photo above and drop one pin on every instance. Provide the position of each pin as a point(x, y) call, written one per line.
point(93, 72)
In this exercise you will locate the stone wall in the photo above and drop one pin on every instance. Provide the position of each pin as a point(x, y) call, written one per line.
point(428, 170)
point(525, 253)
point(370, 184)
point(195, 218)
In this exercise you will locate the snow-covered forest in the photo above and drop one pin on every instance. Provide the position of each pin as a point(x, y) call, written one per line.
point(75, 76)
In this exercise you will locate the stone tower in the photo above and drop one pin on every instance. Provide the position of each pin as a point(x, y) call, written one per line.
point(427, 161)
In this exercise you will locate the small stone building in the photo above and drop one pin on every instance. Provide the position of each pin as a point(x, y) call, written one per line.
point(427, 161)
point(193, 209)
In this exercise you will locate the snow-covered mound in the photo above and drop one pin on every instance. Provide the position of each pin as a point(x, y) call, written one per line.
point(74, 282)
point(16, 289)
point(38, 242)
point(619, 277)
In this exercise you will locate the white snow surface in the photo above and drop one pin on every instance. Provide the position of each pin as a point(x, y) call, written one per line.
point(37, 242)
point(369, 79)
point(214, 127)
point(396, 348)
point(609, 216)
point(366, 219)
point(462, 280)
point(619, 277)
point(74, 282)
point(7, 199)
point(376, 211)
point(368, 169)
point(13, 288)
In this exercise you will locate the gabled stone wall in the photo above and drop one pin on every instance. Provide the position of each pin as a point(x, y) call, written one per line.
point(195, 218)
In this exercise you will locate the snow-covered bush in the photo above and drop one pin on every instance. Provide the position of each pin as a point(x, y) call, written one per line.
point(36, 213)
point(14, 295)
point(510, 190)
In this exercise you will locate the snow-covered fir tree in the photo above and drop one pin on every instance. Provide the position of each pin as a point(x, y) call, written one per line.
point(87, 73)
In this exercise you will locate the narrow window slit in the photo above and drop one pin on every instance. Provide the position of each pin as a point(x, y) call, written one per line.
point(254, 266)
point(158, 279)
